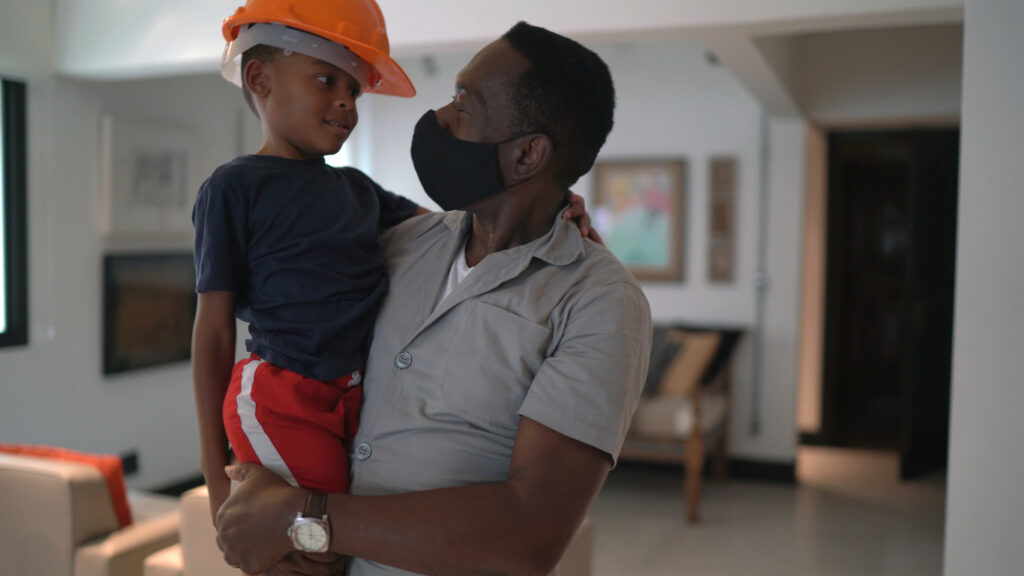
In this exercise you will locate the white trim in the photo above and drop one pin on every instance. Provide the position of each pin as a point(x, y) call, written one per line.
point(293, 40)
point(269, 457)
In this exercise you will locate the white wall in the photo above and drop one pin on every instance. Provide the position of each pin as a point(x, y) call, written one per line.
point(879, 75)
point(119, 39)
point(671, 103)
point(699, 111)
point(985, 501)
point(53, 391)
point(781, 317)
point(26, 38)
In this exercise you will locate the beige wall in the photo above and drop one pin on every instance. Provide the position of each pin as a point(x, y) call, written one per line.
point(812, 286)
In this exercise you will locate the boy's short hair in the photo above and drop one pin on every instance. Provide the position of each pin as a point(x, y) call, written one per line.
point(566, 93)
point(260, 52)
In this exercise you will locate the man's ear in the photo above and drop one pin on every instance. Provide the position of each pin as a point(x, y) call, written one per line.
point(255, 77)
point(532, 154)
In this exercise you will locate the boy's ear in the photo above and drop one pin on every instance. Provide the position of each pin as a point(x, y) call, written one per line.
point(255, 78)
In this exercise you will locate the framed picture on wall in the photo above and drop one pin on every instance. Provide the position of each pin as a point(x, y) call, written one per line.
point(639, 211)
point(722, 185)
point(147, 178)
point(149, 305)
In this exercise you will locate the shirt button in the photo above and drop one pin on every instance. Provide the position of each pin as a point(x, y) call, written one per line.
point(403, 360)
point(364, 451)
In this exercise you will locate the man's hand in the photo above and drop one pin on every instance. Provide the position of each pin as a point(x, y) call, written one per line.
point(577, 212)
point(299, 564)
point(252, 525)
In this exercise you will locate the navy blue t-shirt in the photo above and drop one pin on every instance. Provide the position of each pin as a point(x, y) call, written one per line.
point(297, 243)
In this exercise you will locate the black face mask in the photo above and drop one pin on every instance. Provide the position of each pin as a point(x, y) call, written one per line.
point(455, 173)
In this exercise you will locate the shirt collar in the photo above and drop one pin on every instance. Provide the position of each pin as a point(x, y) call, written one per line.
point(561, 245)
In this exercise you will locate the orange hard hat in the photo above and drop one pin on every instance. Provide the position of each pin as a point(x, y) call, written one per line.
point(356, 24)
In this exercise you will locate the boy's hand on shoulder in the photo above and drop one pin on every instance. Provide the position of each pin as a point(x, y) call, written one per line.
point(577, 212)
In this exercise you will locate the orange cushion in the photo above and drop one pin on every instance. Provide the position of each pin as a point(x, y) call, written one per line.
point(107, 465)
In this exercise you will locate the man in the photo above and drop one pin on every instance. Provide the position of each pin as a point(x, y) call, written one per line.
point(507, 359)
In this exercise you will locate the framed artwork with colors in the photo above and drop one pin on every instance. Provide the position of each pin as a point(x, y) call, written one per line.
point(640, 209)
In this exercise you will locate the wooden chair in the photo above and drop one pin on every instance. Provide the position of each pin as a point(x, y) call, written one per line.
point(683, 416)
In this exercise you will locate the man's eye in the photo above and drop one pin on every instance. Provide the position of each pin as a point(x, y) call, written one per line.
point(328, 80)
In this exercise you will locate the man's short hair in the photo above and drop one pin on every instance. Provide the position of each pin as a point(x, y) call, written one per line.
point(566, 93)
point(263, 53)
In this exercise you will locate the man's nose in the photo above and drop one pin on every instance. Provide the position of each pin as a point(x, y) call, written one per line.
point(444, 117)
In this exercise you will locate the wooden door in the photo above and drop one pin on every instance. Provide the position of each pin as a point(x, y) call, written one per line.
point(891, 246)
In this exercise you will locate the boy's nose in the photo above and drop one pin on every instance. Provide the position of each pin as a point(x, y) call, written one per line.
point(344, 99)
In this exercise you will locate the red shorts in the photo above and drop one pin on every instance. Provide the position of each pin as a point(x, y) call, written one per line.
point(295, 426)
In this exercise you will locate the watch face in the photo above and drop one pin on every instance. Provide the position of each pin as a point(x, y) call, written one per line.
point(310, 535)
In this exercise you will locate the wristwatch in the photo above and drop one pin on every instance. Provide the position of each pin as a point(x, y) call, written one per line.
point(311, 530)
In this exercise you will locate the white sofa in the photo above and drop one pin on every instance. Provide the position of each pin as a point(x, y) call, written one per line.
point(57, 519)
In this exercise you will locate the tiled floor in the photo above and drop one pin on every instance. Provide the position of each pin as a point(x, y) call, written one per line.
point(849, 516)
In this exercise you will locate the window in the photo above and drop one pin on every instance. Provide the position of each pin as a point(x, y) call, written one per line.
point(13, 216)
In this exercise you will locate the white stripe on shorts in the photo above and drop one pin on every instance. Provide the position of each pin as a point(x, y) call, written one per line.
point(253, 430)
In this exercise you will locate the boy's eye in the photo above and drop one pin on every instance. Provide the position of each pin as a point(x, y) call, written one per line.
point(328, 80)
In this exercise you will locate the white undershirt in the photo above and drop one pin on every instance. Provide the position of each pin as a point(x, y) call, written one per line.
point(458, 272)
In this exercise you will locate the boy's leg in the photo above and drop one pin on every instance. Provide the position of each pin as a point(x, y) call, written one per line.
point(293, 425)
point(246, 433)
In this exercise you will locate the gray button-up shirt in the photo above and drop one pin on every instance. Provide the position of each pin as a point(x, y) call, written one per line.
point(555, 330)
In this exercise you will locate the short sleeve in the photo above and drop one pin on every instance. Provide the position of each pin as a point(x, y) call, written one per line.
point(393, 208)
point(590, 386)
point(219, 217)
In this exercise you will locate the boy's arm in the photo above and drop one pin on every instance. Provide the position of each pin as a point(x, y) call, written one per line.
point(577, 212)
point(213, 356)
point(520, 526)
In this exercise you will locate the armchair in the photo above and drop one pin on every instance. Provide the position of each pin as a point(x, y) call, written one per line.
point(684, 411)
point(58, 519)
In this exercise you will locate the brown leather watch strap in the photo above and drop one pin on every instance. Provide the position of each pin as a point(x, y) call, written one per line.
point(316, 504)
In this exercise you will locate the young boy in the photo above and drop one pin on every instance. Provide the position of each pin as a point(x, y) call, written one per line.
point(289, 244)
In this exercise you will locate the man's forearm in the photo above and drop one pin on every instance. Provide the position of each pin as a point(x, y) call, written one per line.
point(519, 526)
point(487, 528)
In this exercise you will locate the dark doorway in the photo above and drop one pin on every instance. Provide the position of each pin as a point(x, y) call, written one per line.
point(892, 199)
